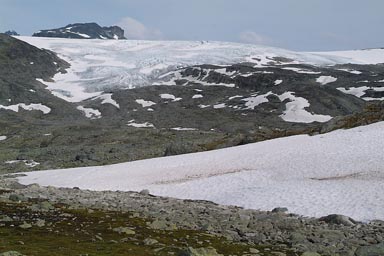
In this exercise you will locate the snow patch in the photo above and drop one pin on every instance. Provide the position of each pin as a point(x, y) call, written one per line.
point(323, 80)
point(351, 71)
point(140, 125)
point(30, 107)
point(183, 129)
point(360, 92)
point(107, 99)
point(167, 96)
point(224, 71)
point(295, 110)
point(28, 163)
point(253, 102)
point(3, 138)
point(294, 171)
point(218, 106)
point(278, 82)
point(235, 97)
point(197, 96)
point(90, 112)
point(145, 103)
point(301, 71)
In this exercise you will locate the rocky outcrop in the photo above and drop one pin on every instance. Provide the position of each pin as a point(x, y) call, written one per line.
point(306, 236)
point(83, 31)
point(11, 33)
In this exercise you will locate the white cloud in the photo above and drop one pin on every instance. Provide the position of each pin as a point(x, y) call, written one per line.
point(134, 29)
point(254, 38)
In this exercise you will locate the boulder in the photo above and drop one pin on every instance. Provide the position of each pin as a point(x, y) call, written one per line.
point(338, 220)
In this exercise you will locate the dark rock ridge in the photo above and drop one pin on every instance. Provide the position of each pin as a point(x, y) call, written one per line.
point(11, 33)
point(83, 31)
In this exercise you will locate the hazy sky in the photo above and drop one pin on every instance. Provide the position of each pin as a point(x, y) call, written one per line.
point(293, 24)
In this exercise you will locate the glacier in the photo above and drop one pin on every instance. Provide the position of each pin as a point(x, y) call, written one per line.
point(103, 65)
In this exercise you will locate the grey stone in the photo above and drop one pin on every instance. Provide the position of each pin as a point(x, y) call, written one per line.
point(124, 230)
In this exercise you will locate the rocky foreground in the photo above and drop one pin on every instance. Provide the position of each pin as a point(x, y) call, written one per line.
point(38, 220)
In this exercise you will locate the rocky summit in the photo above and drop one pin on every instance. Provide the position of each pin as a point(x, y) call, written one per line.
point(83, 31)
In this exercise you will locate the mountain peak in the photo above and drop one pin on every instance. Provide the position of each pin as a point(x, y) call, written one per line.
point(11, 33)
point(90, 30)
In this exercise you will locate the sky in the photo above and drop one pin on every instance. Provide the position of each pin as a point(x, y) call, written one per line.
point(303, 25)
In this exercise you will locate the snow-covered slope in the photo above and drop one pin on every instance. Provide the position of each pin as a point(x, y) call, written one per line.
point(340, 172)
point(98, 65)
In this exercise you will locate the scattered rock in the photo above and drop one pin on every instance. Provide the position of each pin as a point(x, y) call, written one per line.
point(372, 250)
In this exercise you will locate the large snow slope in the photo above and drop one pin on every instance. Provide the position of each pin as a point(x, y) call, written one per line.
point(339, 172)
point(98, 65)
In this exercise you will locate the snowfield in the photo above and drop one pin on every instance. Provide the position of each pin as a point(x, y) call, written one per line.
point(339, 172)
point(99, 65)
